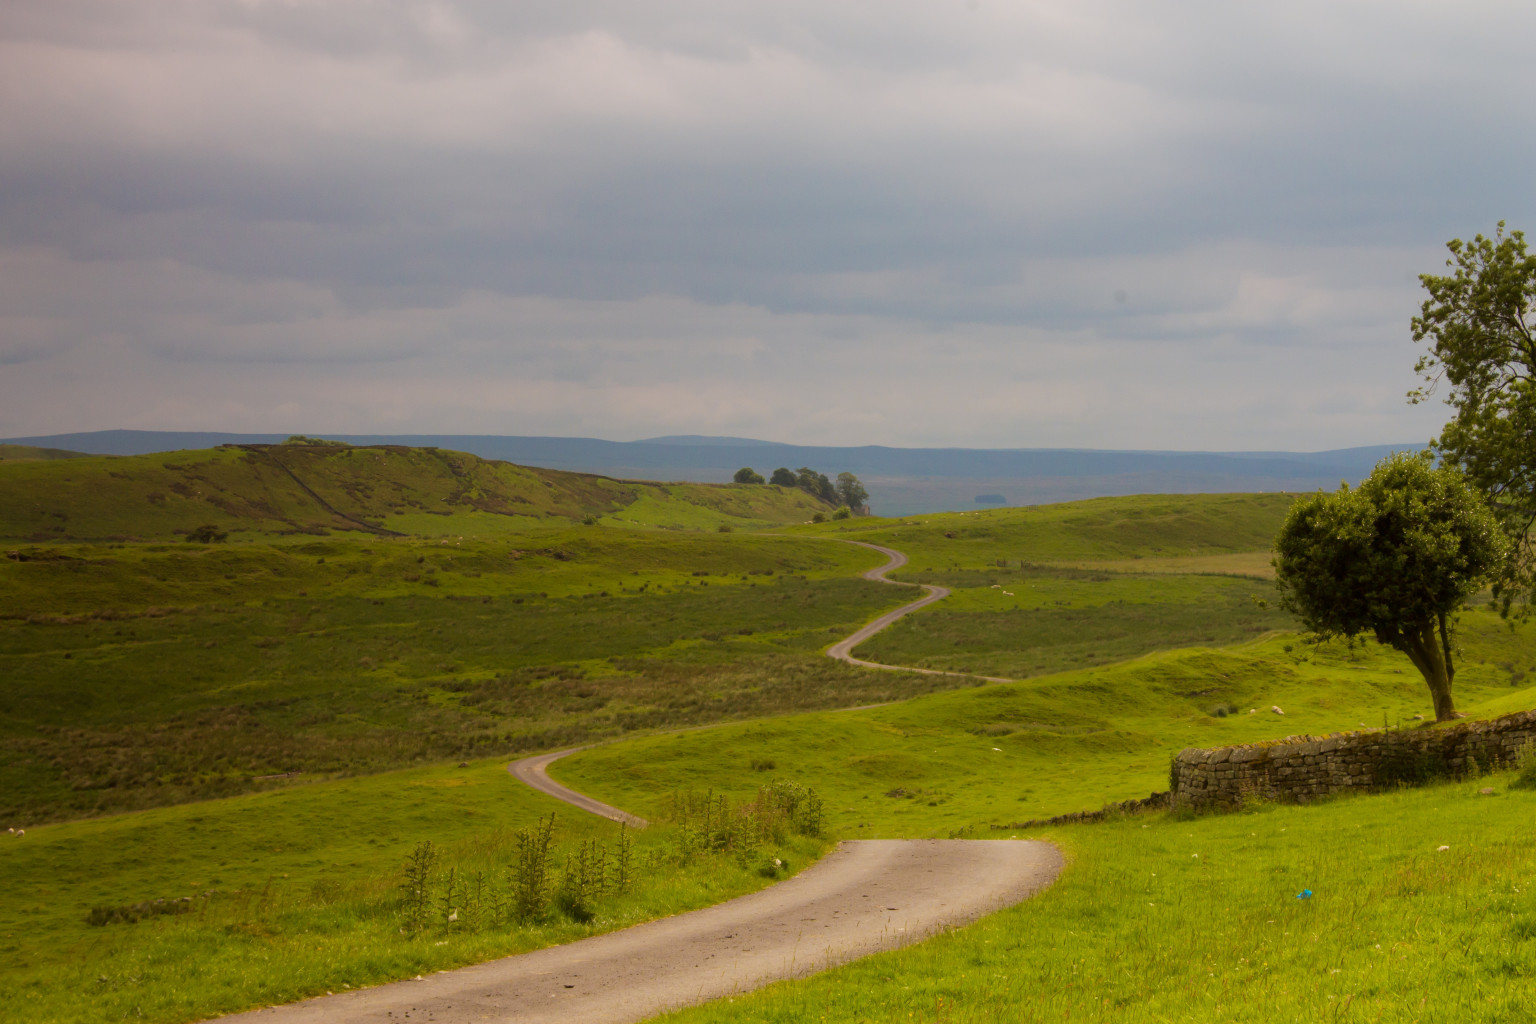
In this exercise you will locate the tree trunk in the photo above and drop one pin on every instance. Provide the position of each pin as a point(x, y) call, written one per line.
point(1429, 650)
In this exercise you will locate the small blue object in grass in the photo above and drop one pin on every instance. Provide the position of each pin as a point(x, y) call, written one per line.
point(1305, 894)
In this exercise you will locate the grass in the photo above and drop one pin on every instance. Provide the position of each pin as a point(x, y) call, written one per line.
point(1157, 526)
point(141, 675)
point(263, 490)
point(305, 891)
point(1022, 622)
point(996, 754)
point(31, 453)
point(146, 674)
point(1161, 919)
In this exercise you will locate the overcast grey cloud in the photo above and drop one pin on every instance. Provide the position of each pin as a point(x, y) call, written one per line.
point(1109, 224)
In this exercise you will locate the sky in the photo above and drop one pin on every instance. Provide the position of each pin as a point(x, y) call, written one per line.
point(1184, 225)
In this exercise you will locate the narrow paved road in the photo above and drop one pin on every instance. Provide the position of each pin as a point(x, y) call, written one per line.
point(843, 649)
point(531, 771)
point(864, 897)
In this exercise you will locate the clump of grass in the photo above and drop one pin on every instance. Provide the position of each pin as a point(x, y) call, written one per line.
point(1525, 774)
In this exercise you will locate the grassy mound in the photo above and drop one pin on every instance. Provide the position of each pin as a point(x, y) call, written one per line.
point(249, 490)
point(31, 453)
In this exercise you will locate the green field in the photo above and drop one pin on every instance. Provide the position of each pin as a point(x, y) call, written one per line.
point(384, 628)
point(140, 675)
point(298, 892)
point(969, 759)
point(297, 489)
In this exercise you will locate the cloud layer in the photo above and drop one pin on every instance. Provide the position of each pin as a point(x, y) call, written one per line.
point(1023, 224)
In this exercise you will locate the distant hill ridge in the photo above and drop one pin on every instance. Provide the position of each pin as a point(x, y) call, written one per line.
point(901, 481)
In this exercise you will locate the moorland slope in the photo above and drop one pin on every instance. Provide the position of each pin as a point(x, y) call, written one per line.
point(313, 489)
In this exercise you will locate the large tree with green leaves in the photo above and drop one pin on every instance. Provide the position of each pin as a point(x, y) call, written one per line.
point(1395, 558)
point(851, 492)
point(1480, 323)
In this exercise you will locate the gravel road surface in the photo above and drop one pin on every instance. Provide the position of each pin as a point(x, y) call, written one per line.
point(864, 897)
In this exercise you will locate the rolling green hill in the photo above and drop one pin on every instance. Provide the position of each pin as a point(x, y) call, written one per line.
point(153, 674)
point(31, 453)
point(249, 490)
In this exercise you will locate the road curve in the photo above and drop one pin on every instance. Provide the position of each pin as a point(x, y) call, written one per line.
point(532, 771)
point(843, 649)
point(864, 897)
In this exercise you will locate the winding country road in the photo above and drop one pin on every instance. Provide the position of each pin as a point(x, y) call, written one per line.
point(843, 649)
point(864, 897)
point(531, 771)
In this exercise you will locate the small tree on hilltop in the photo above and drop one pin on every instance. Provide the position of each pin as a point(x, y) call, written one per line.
point(748, 475)
point(784, 478)
point(1395, 558)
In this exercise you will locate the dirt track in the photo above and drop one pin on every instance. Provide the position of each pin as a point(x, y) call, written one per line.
point(531, 772)
point(865, 896)
point(843, 649)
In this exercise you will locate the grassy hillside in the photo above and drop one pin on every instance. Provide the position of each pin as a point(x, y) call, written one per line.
point(30, 453)
point(254, 490)
point(987, 755)
point(297, 892)
point(1155, 526)
point(152, 674)
point(1417, 905)
point(145, 674)
point(1040, 590)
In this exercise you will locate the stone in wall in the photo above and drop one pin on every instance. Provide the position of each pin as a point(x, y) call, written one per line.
point(1302, 768)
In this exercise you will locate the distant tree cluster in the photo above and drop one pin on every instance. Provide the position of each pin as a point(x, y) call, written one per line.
point(847, 492)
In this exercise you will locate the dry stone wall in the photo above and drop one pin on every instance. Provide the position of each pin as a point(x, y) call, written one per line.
point(1303, 768)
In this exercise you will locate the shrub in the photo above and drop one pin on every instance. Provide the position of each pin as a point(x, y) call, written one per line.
point(416, 889)
point(530, 874)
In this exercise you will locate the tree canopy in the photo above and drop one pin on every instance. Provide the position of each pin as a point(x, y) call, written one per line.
point(851, 492)
point(847, 491)
point(812, 482)
point(1395, 558)
point(748, 475)
point(1480, 323)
